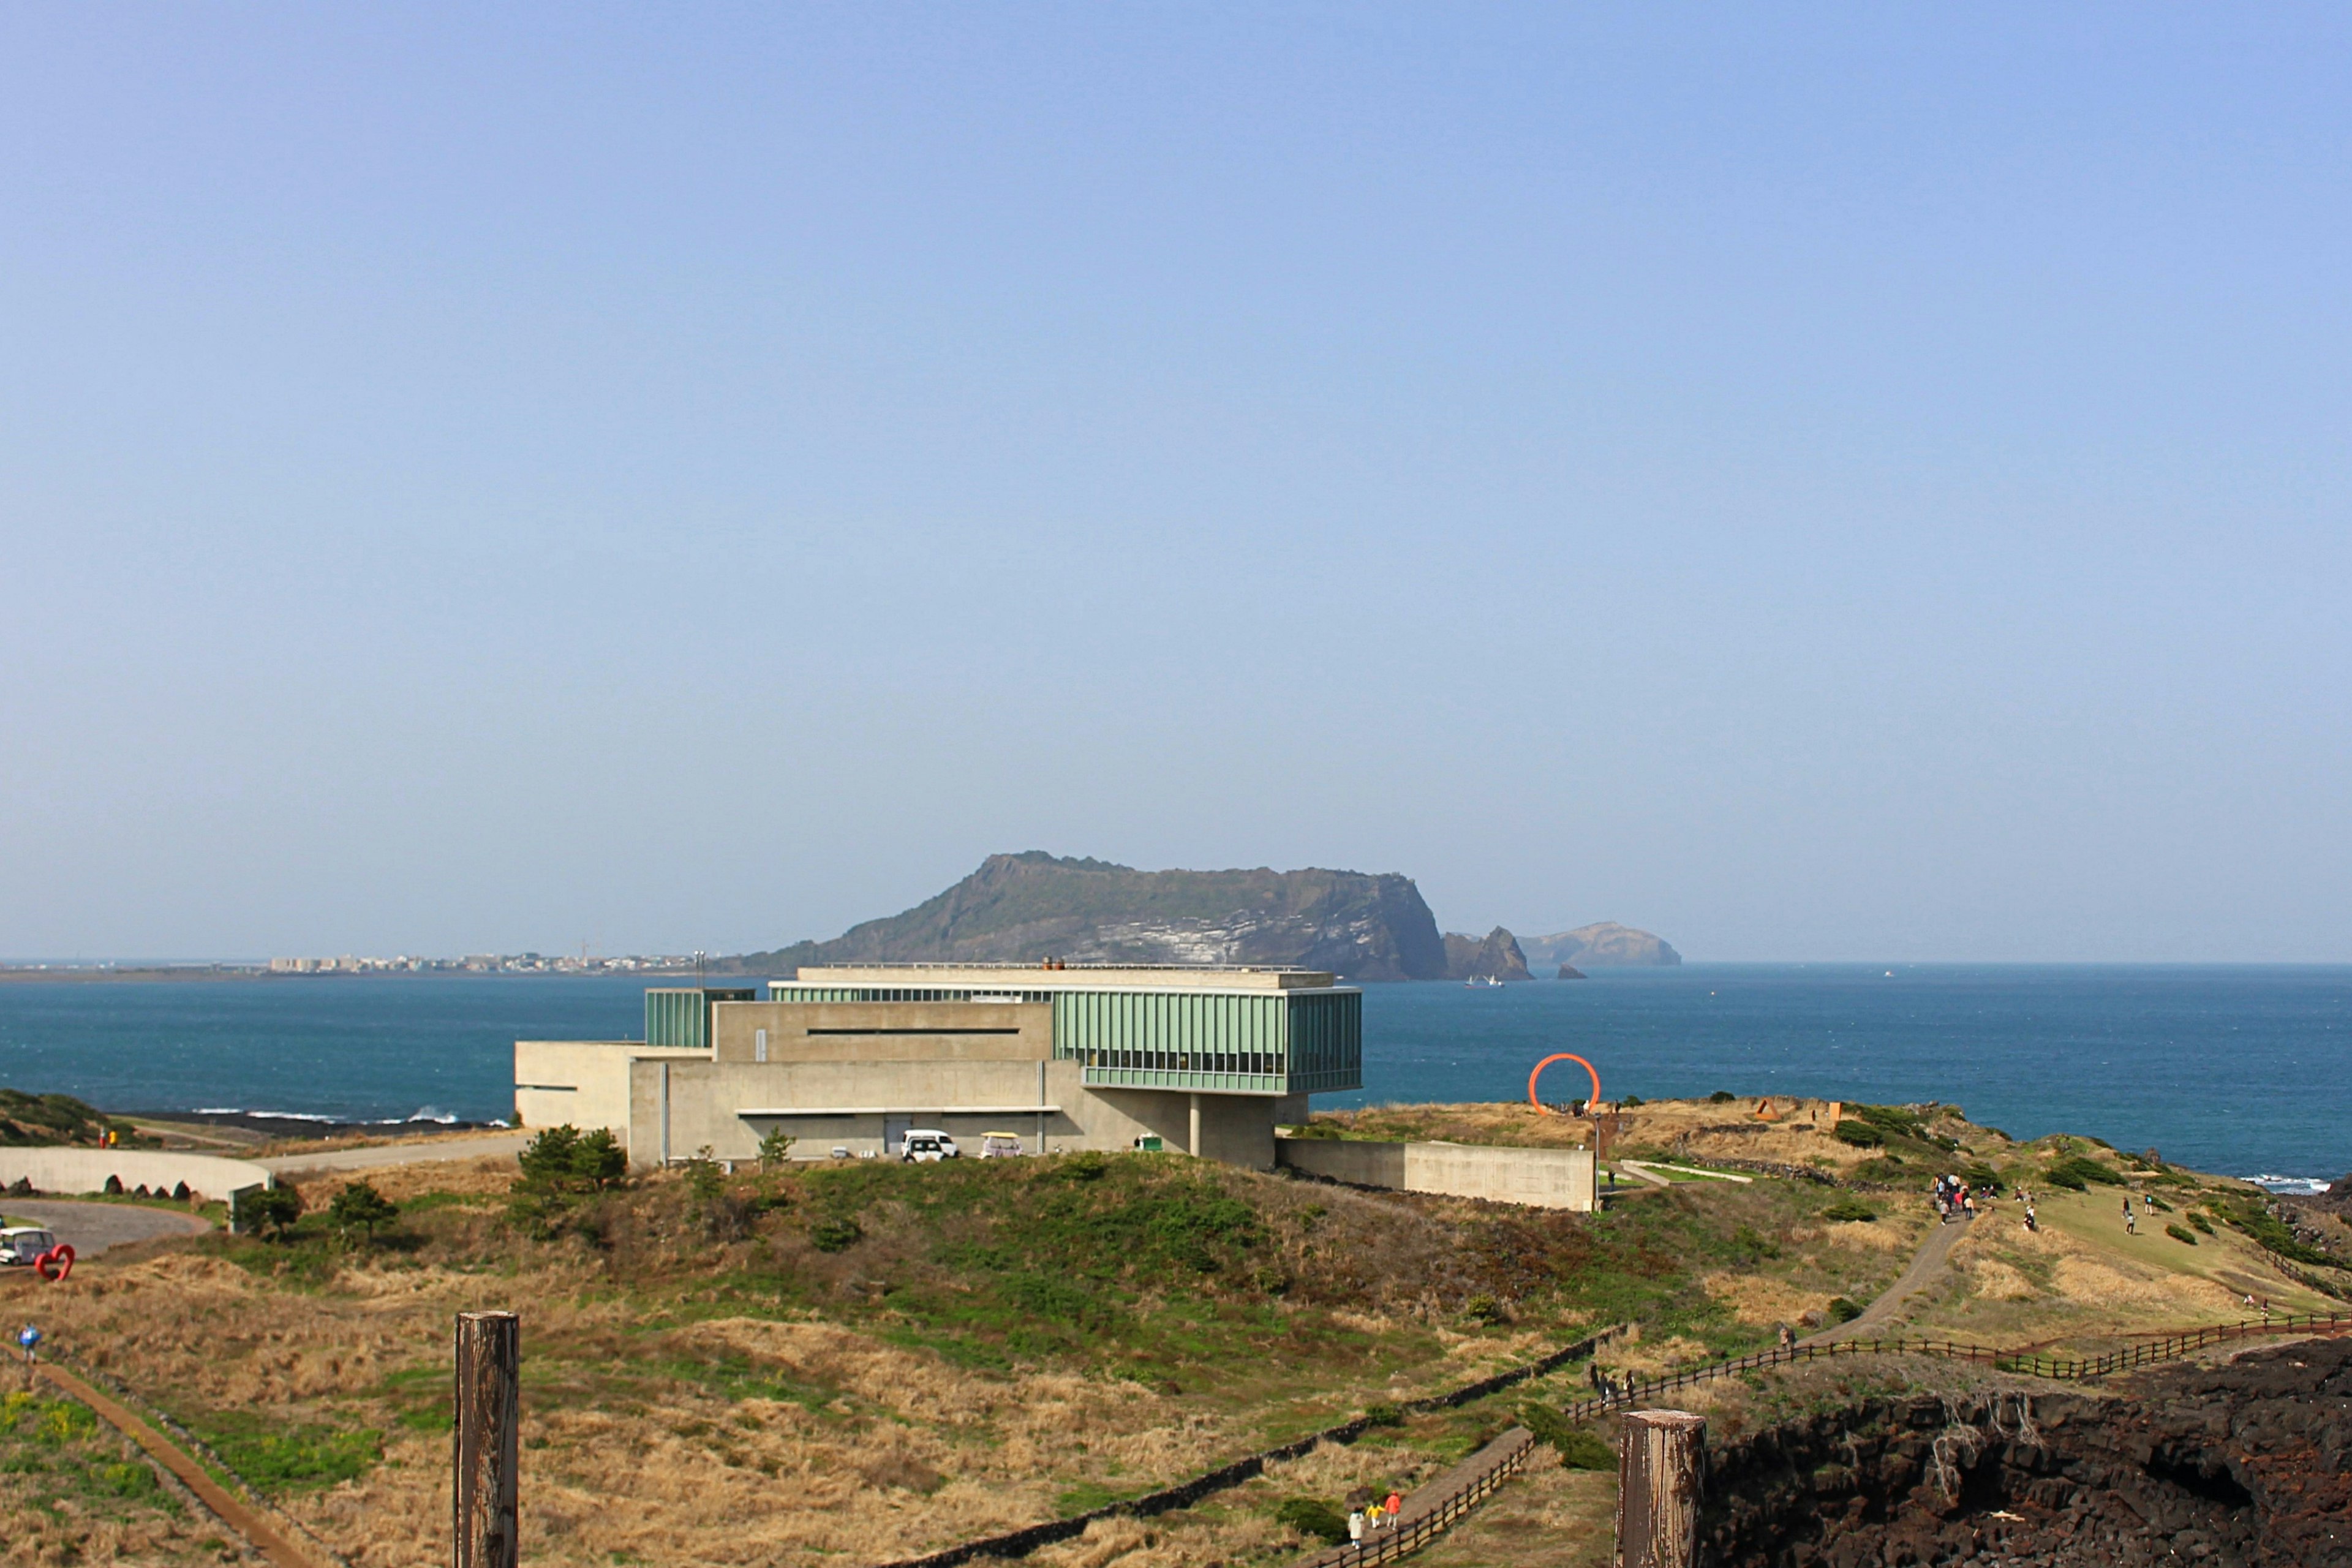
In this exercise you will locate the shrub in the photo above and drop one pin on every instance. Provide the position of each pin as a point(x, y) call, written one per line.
point(1312, 1518)
point(835, 1235)
point(1850, 1210)
point(268, 1211)
point(2201, 1223)
point(1981, 1177)
point(1086, 1165)
point(1842, 1309)
point(704, 1179)
point(1483, 1308)
point(1861, 1134)
point(2077, 1171)
point(1578, 1449)
point(2181, 1233)
point(1885, 1168)
point(1384, 1416)
point(1891, 1119)
point(358, 1206)
point(1720, 1096)
point(1630, 1102)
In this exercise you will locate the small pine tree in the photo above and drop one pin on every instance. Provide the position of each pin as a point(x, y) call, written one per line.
point(358, 1206)
point(775, 1148)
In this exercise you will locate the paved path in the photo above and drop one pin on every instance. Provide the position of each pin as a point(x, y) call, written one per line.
point(1928, 1267)
point(231, 1510)
point(382, 1154)
point(91, 1229)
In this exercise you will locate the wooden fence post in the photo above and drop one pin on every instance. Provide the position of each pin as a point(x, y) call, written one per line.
point(1661, 1467)
point(489, 1410)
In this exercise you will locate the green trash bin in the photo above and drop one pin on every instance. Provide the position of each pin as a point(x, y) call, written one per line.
point(1149, 1142)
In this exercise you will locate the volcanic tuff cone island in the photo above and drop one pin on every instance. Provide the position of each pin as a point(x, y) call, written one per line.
point(1020, 909)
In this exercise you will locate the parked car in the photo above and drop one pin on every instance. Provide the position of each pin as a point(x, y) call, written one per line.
point(20, 1244)
point(999, 1145)
point(925, 1144)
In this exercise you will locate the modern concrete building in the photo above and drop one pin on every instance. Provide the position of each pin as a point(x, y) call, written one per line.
point(1205, 1060)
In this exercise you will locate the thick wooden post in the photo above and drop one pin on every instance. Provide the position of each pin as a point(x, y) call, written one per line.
point(1661, 1468)
point(489, 1410)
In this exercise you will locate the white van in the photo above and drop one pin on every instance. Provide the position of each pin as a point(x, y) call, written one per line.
point(925, 1144)
point(20, 1244)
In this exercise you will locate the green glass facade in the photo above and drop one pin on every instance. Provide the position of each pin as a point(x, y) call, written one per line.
point(680, 1016)
point(1223, 1042)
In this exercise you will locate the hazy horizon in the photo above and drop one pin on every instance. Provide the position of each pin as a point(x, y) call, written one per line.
point(1834, 485)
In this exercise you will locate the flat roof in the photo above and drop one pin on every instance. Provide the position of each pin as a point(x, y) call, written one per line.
point(1069, 977)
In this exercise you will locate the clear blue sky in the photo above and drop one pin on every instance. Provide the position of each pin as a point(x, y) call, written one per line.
point(1863, 482)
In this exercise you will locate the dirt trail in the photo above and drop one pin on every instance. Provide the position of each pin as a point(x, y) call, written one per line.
point(1928, 1267)
point(233, 1512)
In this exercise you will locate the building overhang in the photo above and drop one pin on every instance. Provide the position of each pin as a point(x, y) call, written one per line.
point(899, 1110)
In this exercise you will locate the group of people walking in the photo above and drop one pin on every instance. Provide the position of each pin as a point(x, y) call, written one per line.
point(1954, 1200)
point(1373, 1516)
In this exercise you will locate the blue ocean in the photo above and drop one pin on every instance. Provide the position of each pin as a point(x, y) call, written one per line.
point(2241, 1069)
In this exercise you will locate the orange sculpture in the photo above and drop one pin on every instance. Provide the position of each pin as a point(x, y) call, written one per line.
point(1594, 1104)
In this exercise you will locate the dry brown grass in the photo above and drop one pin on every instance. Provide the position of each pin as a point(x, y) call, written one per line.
point(1795, 1131)
point(1546, 1517)
point(632, 1450)
point(1762, 1300)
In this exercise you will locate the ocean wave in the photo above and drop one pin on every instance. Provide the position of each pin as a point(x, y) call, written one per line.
point(2290, 1187)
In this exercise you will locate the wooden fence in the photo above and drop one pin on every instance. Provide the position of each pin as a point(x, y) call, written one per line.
point(1429, 1516)
point(2163, 1348)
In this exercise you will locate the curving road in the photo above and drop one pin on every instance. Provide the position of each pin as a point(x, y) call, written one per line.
point(91, 1229)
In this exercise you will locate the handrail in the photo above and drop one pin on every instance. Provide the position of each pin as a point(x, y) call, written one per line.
point(2168, 1347)
point(1417, 1530)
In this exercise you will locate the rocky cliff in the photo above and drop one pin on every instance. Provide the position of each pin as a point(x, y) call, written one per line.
point(1019, 909)
point(1596, 946)
point(1496, 958)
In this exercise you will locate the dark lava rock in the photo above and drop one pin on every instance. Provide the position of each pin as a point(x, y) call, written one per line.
point(2244, 1466)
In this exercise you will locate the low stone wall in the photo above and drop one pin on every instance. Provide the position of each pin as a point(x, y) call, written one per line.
point(70, 1171)
point(1540, 1178)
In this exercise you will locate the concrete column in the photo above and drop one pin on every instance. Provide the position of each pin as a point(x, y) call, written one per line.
point(1195, 1145)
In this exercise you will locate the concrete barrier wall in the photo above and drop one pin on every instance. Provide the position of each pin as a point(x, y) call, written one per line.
point(1542, 1178)
point(66, 1171)
point(1357, 1164)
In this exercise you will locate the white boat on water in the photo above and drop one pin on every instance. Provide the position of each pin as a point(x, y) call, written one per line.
point(1475, 981)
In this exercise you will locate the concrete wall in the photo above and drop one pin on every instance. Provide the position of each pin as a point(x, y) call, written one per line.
point(583, 1082)
point(1542, 1178)
point(884, 1031)
point(86, 1170)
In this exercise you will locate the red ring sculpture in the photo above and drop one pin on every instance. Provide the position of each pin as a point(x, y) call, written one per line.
point(1593, 1104)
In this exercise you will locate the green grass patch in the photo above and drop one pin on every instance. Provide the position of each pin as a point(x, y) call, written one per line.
point(278, 1457)
point(60, 1454)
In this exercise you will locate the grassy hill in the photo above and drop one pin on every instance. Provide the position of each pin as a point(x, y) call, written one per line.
point(869, 1360)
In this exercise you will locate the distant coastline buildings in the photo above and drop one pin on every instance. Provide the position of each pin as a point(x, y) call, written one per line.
point(488, 964)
